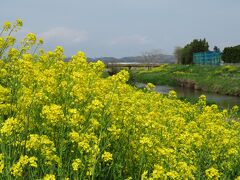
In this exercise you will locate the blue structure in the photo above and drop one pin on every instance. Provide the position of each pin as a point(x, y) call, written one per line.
point(210, 58)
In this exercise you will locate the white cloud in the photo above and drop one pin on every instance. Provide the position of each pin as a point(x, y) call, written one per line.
point(64, 34)
point(132, 39)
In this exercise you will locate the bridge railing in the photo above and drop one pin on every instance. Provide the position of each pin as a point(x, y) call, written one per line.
point(130, 65)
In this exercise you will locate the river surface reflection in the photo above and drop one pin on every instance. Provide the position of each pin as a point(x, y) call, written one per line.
point(223, 101)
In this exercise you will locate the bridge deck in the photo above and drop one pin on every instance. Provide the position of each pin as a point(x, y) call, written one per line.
point(130, 65)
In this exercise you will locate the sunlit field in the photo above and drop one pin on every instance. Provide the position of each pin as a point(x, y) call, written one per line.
point(63, 120)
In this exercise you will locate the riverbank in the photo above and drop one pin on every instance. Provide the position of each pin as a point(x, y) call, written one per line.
point(217, 79)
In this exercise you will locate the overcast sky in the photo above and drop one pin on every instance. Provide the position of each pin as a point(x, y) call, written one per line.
point(126, 27)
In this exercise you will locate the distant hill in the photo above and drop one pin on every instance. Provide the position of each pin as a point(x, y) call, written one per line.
point(160, 58)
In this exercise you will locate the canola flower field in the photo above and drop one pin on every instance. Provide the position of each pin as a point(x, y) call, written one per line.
point(63, 120)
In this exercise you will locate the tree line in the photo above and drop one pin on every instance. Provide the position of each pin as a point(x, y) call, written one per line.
point(184, 55)
point(231, 54)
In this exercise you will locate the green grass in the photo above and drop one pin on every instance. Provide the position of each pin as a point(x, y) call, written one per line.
point(218, 79)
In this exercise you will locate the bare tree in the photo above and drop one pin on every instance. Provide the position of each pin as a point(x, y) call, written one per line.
point(152, 56)
point(178, 54)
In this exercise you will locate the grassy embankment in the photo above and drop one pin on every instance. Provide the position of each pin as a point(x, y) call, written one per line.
point(218, 79)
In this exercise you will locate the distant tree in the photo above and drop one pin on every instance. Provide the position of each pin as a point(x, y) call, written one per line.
point(178, 54)
point(231, 54)
point(195, 46)
point(216, 49)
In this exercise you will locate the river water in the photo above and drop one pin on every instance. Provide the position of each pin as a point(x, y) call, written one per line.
point(223, 101)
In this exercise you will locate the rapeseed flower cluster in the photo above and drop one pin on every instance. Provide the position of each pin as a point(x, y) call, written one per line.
point(107, 156)
point(64, 120)
point(17, 168)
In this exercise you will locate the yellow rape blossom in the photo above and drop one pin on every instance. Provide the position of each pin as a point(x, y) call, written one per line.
point(76, 164)
point(17, 168)
point(1, 163)
point(1, 42)
point(53, 114)
point(6, 26)
point(64, 119)
point(150, 86)
point(158, 172)
point(49, 177)
point(107, 156)
point(31, 38)
point(172, 174)
point(19, 22)
point(40, 41)
point(212, 173)
point(8, 126)
point(172, 94)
